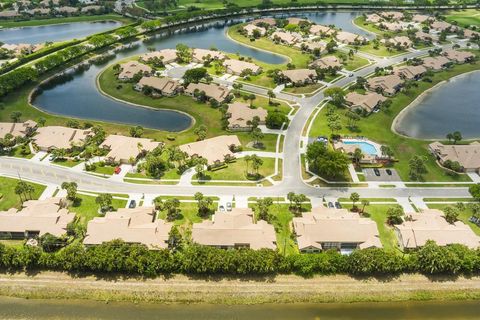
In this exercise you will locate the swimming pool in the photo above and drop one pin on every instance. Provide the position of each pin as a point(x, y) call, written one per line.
point(365, 146)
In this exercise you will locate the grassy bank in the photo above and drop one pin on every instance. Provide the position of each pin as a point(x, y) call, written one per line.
point(43, 22)
point(247, 290)
point(8, 198)
point(465, 18)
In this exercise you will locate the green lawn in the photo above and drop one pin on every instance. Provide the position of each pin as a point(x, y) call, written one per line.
point(8, 197)
point(463, 216)
point(42, 22)
point(305, 89)
point(465, 18)
point(86, 209)
point(188, 214)
point(377, 128)
point(66, 163)
point(382, 51)
point(237, 171)
point(360, 21)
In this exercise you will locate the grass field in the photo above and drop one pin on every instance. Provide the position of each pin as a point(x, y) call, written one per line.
point(42, 22)
point(8, 197)
point(377, 127)
point(465, 18)
point(86, 208)
point(237, 171)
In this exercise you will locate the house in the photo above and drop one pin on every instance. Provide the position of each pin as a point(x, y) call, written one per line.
point(436, 63)
point(421, 18)
point(373, 18)
point(91, 9)
point(289, 38)
point(200, 55)
point(369, 101)
point(238, 67)
point(470, 34)
point(240, 114)
point(422, 36)
point(56, 137)
point(38, 11)
point(387, 85)
point(212, 91)
point(311, 46)
point(213, 149)
point(66, 9)
point(139, 225)
point(410, 72)
point(234, 230)
point(46, 3)
point(250, 28)
point(35, 218)
point(166, 56)
point(328, 62)
point(265, 21)
point(393, 15)
point(401, 41)
point(467, 155)
point(296, 21)
point(163, 86)
point(22, 48)
point(9, 14)
point(299, 76)
point(349, 38)
point(318, 29)
point(458, 56)
point(326, 228)
point(122, 148)
point(430, 224)
point(17, 129)
point(131, 68)
point(440, 26)
point(391, 26)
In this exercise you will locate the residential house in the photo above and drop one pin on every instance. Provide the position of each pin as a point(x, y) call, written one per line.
point(458, 56)
point(470, 34)
point(299, 76)
point(91, 9)
point(311, 46)
point(387, 85)
point(401, 41)
point(234, 230)
point(9, 14)
point(422, 36)
point(121, 149)
point(200, 55)
point(440, 26)
point(467, 155)
point(238, 67)
point(393, 15)
point(161, 86)
point(212, 91)
point(369, 101)
point(131, 68)
point(265, 21)
point(421, 18)
point(296, 21)
point(214, 149)
point(166, 56)
point(250, 28)
point(373, 18)
point(328, 62)
point(410, 72)
point(349, 38)
point(289, 38)
point(318, 29)
point(56, 137)
point(436, 63)
point(17, 129)
point(430, 224)
point(240, 114)
point(35, 218)
point(66, 9)
point(139, 225)
point(326, 228)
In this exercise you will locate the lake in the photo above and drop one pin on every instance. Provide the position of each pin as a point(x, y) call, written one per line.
point(55, 32)
point(12, 308)
point(451, 106)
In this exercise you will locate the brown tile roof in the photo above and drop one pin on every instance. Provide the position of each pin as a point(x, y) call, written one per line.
point(420, 18)
point(458, 56)
point(131, 68)
point(442, 25)
point(321, 29)
point(287, 37)
point(122, 148)
point(373, 18)
point(249, 28)
point(166, 85)
point(237, 66)
point(213, 149)
point(368, 101)
point(326, 62)
point(348, 37)
point(200, 54)
point(269, 21)
point(387, 84)
point(57, 137)
point(241, 113)
point(409, 72)
point(295, 20)
point(395, 15)
point(401, 41)
point(467, 155)
point(165, 55)
point(392, 26)
point(17, 129)
point(435, 63)
point(300, 75)
point(216, 92)
point(423, 36)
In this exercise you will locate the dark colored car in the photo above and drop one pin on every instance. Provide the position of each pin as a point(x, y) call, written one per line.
point(389, 172)
point(132, 204)
point(377, 172)
point(338, 205)
point(330, 205)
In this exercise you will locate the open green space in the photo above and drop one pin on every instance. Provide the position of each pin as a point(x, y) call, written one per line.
point(362, 23)
point(377, 127)
point(381, 51)
point(86, 208)
point(85, 18)
point(463, 216)
point(188, 214)
point(465, 18)
point(237, 170)
point(66, 162)
point(9, 199)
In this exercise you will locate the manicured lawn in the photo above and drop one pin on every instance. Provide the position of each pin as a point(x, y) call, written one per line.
point(8, 197)
point(17, 153)
point(86, 208)
point(353, 63)
point(108, 170)
point(42, 22)
point(66, 163)
point(465, 18)
point(360, 21)
point(463, 216)
point(305, 89)
point(237, 171)
point(188, 214)
point(171, 174)
point(382, 51)
point(377, 128)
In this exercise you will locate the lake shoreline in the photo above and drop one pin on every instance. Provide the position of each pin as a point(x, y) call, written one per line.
point(180, 289)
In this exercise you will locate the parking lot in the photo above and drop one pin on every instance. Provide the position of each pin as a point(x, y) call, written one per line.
point(370, 175)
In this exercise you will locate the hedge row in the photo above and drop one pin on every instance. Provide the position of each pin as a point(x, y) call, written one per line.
point(119, 257)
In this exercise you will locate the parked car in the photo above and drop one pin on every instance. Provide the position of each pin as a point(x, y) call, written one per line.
point(132, 204)
point(117, 170)
point(229, 206)
point(389, 172)
point(377, 172)
point(338, 205)
point(330, 205)
point(221, 208)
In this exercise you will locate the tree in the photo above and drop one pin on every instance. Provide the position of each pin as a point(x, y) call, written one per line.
point(136, 132)
point(104, 200)
point(201, 132)
point(175, 240)
point(394, 215)
point(296, 201)
point(50, 243)
point(364, 204)
point(257, 162)
point(41, 121)
point(194, 75)
point(475, 191)
point(171, 206)
point(204, 204)
point(271, 95)
point(417, 167)
point(15, 116)
point(451, 214)
point(20, 189)
point(256, 135)
point(456, 136)
point(336, 94)
point(386, 151)
point(263, 206)
point(275, 119)
point(251, 97)
point(357, 156)
point(354, 197)
point(71, 188)
point(328, 163)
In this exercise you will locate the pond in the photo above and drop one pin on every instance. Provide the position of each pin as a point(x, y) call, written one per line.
point(78, 97)
point(11, 308)
point(55, 32)
point(451, 106)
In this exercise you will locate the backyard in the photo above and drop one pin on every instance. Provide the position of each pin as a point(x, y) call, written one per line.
point(8, 197)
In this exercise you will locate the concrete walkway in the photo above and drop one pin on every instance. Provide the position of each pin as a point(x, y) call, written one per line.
point(474, 176)
point(405, 203)
point(186, 177)
point(419, 203)
point(353, 173)
point(48, 192)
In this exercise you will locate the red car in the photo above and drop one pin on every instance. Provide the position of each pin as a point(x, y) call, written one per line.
point(117, 170)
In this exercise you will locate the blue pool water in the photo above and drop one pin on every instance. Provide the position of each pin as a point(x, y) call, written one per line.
point(366, 147)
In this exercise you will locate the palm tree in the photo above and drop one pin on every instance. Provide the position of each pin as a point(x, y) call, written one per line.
point(271, 95)
point(20, 189)
point(247, 161)
point(357, 156)
point(364, 204)
point(256, 163)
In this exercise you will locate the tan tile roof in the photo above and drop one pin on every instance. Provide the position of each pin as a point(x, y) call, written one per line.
point(458, 56)
point(165, 55)
point(392, 26)
point(200, 54)
point(56, 137)
point(442, 25)
point(435, 63)
point(326, 62)
point(295, 20)
point(300, 75)
point(122, 148)
point(213, 149)
point(470, 33)
point(320, 29)
point(138, 225)
point(312, 45)
point(9, 13)
point(240, 113)
point(287, 37)
point(164, 85)
point(420, 18)
point(367, 101)
point(388, 84)
point(395, 15)
point(44, 216)
point(17, 129)
point(131, 68)
point(235, 228)
point(431, 225)
point(335, 225)
point(67, 9)
point(269, 21)
point(423, 36)
point(401, 41)
point(237, 66)
point(467, 155)
point(214, 91)
point(348, 37)
point(249, 28)
point(409, 72)
point(91, 8)
point(373, 18)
